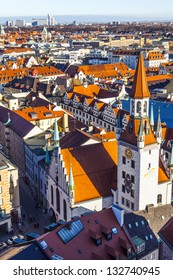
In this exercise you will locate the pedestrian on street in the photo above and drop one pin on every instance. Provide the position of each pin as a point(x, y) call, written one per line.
point(30, 218)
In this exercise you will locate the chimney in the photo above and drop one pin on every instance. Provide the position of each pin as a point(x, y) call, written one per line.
point(65, 122)
point(119, 214)
point(49, 107)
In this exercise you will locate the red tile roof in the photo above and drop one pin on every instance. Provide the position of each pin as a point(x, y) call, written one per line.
point(83, 246)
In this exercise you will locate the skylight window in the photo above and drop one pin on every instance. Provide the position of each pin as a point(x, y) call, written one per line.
point(146, 237)
point(70, 231)
point(43, 245)
point(136, 223)
point(142, 222)
point(114, 230)
point(130, 226)
point(151, 237)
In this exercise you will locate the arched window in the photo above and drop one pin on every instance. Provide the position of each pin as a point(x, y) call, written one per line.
point(138, 107)
point(132, 108)
point(65, 209)
point(51, 194)
point(57, 200)
point(145, 107)
point(159, 199)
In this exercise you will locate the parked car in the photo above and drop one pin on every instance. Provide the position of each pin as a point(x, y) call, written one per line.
point(3, 245)
point(20, 236)
point(11, 240)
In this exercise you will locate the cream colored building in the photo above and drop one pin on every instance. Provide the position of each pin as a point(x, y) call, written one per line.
point(9, 193)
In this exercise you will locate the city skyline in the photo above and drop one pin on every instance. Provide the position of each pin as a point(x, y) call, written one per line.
point(149, 9)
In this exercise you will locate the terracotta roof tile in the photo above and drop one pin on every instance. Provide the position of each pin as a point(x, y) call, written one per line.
point(140, 87)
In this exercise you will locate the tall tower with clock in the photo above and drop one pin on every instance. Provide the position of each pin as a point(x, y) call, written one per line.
point(139, 166)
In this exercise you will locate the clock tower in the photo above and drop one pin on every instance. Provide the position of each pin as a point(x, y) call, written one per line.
point(139, 166)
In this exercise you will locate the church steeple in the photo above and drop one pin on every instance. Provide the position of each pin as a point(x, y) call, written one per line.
point(140, 86)
point(139, 95)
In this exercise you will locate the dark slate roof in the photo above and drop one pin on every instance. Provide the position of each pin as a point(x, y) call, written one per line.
point(18, 124)
point(37, 102)
point(138, 226)
point(166, 110)
point(166, 233)
point(31, 252)
point(75, 138)
point(80, 244)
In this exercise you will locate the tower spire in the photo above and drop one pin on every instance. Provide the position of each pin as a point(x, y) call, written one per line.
point(71, 186)
point(152, 117)
point(140, 86)
point(118, 126)
point(141, 134)
point(159, 128)
point(71, 179)
point(56, 135)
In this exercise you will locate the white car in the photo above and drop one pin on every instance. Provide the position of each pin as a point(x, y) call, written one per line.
point(10, 240)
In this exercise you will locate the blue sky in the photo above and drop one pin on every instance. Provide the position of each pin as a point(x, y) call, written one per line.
point(145, 8)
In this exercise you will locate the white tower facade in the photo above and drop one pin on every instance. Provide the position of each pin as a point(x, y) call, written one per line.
point(142, 179)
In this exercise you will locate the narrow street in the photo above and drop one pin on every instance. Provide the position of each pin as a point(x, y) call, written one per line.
point(29, 210)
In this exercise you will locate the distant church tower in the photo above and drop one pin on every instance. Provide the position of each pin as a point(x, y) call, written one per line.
point(139, 167)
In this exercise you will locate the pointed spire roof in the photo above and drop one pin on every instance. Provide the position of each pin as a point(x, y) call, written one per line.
point(71, 179)
point(152, 116)
point(140, 87)
point(171, 156)
point(118, 121)
point(141, 128)
point(8, 121)
point(56, 134)
point(47, 158)
point(159, 126)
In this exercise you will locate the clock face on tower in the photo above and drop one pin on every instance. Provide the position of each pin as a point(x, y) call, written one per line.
point(128, 153)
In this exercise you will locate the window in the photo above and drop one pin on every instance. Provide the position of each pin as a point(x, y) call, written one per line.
point(0, 178)
point(57, 178)
point(65, 209)
point(123, 189)
point(133, 179)
point(1, 201)
point(98, 241)
point(122, 200)
point(149, 152)
point(149, 165)
point(127, 203)
point(133, 164)
point(139, 107)
point(132, 206)
point(51, 195)
point(132, 194)
point(123, 174)
point(123, 160)
point(159, 199)
point(57, 200)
